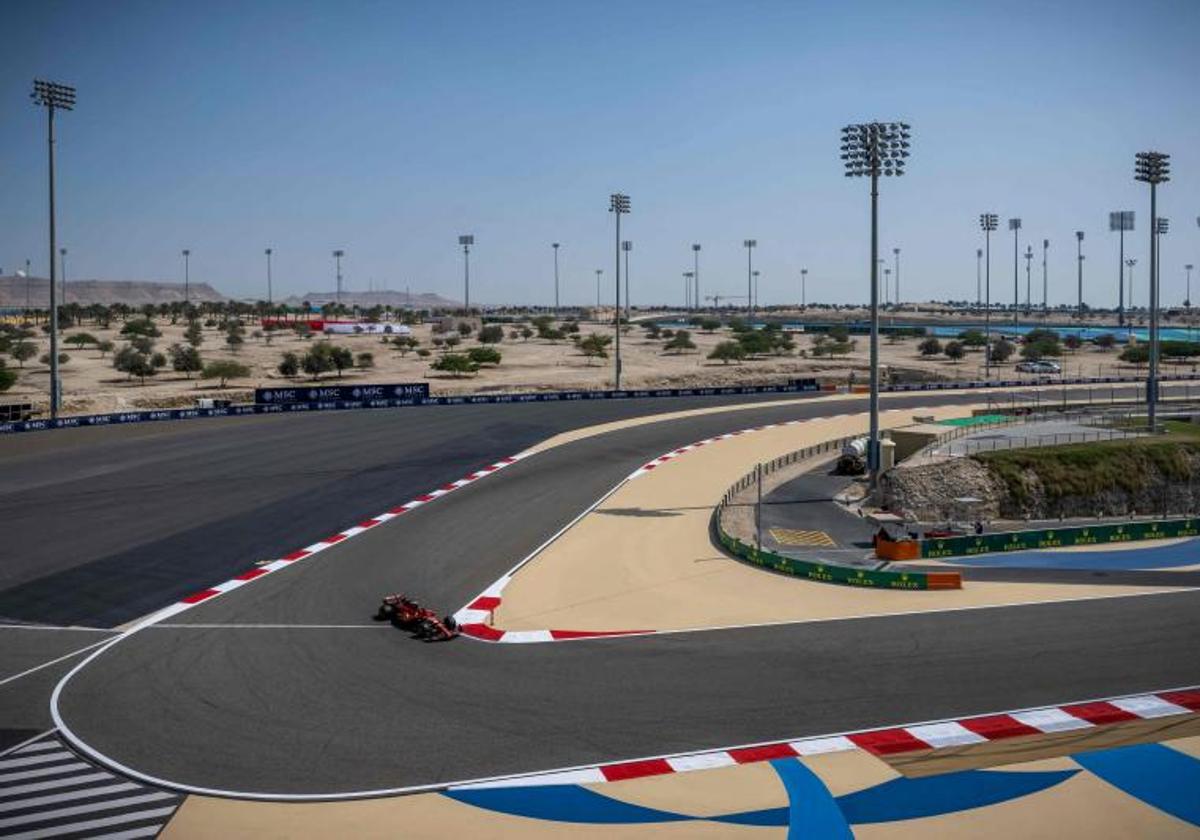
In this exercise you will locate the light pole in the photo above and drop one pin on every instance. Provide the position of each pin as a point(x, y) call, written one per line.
point(1121, 220)
point(887, 282)
point(804, 288)
point(270, 294)
point(1153, 168)
point(755, 273)
point(874, 149)
point(988, 223)
point(750, 245)
point(554, 245)
point(1161, 228)
point(626, 246)
point(187, 255)
point(696, 268)
point(618, 205)
point(688, 277)
point(896, 254)
point(337, 262)
point(599, 271)
point(1188, 303)
point(978, 276)
point(1130, 263)
point(1028, 283)
point(52, 96)
point(1045, 278)
point(1079, 262)
point(1015, 226)
point(62, 254)
point(466, 241)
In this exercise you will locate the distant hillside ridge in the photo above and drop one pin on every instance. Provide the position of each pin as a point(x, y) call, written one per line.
point(35, 292)
point(365, 300)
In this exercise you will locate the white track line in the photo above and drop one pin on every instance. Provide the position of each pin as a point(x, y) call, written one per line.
point(37, 668)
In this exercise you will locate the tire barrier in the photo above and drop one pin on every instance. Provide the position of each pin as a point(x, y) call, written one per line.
point(1000, 542)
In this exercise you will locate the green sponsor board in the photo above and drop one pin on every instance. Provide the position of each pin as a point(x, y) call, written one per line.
point(1059, 537)
point(865, 578)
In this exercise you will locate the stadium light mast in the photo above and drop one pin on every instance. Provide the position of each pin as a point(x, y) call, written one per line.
point(626, 246)
point(599, 273)
point(466, 241)
point(1160, 231)
point(1079, 262)
point(874, 149)
point(756, 272)
point(337, 263)
point(750, 245)
point(1130, 263)
point(696, 281)
point(987, 223)
point(1045, 278)
point(896, 255)
point(1188, 268)
point(804, 288)
point(978, 276)
point(187, 255)
point(1015, 226)
point(555, 245)
point(53, 97)
point(1121, 221)
point(618, 205)
point(1153, 168)
point(270, 295)
point(62, 259)
point(1028, 279)
point(688, 277)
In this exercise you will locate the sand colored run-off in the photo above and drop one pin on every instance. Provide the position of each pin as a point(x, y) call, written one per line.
point(644, 558)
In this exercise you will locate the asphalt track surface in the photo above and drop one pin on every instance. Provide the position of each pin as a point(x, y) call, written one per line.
point(327, 711)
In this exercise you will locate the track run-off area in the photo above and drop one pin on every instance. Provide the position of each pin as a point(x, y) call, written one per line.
point(285, 688)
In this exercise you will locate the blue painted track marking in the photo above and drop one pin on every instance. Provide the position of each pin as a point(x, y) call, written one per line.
point(812, 810)
point(1156, 557)
point(1161, 777)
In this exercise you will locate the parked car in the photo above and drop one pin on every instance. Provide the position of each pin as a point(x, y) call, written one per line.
point(1040, 366)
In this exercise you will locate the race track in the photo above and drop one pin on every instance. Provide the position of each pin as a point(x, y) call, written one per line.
point(345, 708)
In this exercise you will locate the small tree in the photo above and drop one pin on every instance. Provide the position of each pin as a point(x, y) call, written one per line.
point(234, 336)
point(1002, 350)
point(80, 339)
point(930, 347)
point(8, 378)
point(526, 333)
point(1105, 341)
point(491, 334)
point(1072, 342)
point(289, 366)
point(141, 326)
point(484, 355)
point(465, 329)
point(455, 364)
point(424, 352)
point(104, 347)
point(186, 359)
point(317, 361)
point(728, 351)
point(451, 341)
point(193, 335)
point(955, 351)
point(972, 338)
point(594, 346)
point(341, 358)
point(23, 351)
point(710, 325)
point(682, 340)
point(225, 369)
point(144, 344)
point(63, 358)
point(365, 360)
point(1135, 354)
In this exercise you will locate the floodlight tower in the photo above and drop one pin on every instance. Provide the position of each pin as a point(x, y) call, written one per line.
point(696, 268)
point(187, 255)
point(1079, 261)
point(466, 241)
point(62, 259)
point(874, 149)
point(1045, 278)
point(804, 288)
point(1121, 220)
point(988, 223)
point(555, 245)
point(687, 286)
point(53, 97)
point(618, 205)
point(1028, 283)
point(896, 254)
point(599, 272)
point(756, 272)
point(1130, 263)
point(750, 245)
point(337, 264)
point(1188, 302)
point(626, 246)
point(270, 297)
point(1160, 230)
point(1015, 226)
point(978, 276)
point(1153, 168)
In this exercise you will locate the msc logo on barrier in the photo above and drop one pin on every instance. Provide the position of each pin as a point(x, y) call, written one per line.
point(401, 391)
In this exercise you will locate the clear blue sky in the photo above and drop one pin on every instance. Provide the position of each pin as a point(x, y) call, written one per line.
point(387, 129)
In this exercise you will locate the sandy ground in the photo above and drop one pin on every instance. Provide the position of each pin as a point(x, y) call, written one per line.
point(90, 384)
point(644, 560)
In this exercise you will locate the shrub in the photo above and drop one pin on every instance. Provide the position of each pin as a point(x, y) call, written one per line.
point(930, 347)
point(728, 351)
point(955, 350)
point(484, 355)
point(455, 364)
point(595, 346)
point(224, 369)
point(365, 360)
point(8, 378)
point(682, 340)
point(289, 366)
point(186, 359)
point(63, 358)
point(23, 351)
point(491, 334)
point(1002, 350)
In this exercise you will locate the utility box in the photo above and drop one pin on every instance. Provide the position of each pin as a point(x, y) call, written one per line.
point(887, 454)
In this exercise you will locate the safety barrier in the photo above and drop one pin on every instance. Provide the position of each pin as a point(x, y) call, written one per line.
point(801, 386)
point(826, 573)
point(999, 542)
point(822, 572)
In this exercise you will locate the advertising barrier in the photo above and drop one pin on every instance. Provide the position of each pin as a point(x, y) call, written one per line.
point(348, 402)
point(1000, 542)
point(845, 575)
point(325, 393)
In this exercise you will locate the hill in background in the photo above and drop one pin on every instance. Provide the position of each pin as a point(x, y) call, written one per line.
point(18, 291)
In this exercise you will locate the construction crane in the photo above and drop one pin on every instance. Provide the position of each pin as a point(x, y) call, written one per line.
point(716, 299)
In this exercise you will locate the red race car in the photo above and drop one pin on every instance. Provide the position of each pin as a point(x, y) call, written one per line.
point(407, 614)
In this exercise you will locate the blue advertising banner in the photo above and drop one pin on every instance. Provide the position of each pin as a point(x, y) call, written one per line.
point(322, 393)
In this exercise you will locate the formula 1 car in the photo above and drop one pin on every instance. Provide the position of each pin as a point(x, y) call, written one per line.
point(407, 614)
